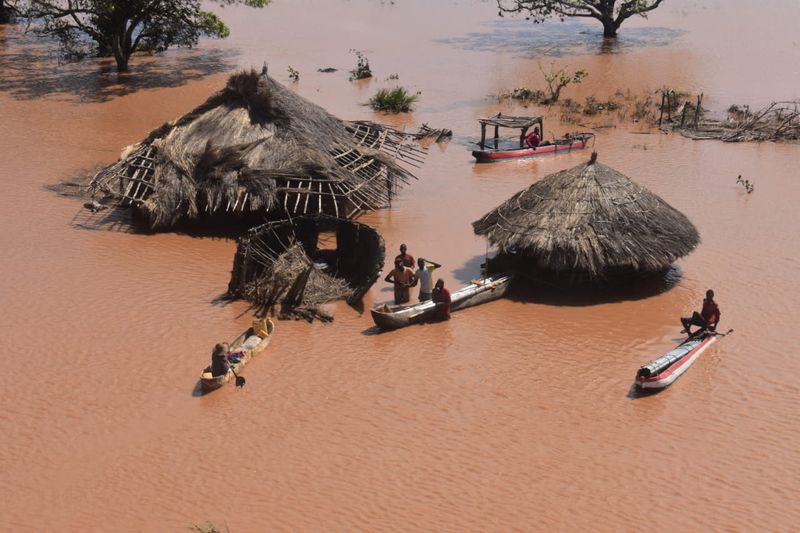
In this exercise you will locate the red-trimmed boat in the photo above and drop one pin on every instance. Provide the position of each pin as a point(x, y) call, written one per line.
point(569, 142)
point(661, 372)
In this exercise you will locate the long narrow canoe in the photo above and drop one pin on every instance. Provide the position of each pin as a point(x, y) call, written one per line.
point(397, 316)
point(209, 382)
point(661, 372)
point(562, 145)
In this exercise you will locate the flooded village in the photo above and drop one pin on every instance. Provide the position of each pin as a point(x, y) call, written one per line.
point(576, 196)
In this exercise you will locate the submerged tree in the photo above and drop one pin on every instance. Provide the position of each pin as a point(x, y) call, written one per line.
point(123, 27)
point(7, 10)
point(611, 13)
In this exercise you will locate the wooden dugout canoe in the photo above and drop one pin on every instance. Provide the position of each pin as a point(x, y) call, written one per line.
point(397, 316)
point(209, 382)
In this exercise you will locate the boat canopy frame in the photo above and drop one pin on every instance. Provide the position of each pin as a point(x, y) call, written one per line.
point(509, 121)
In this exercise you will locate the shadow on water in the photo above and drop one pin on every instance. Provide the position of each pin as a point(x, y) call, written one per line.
point(585, 294)
point(635, 393)
point(470, 270)
point(31, 69)
point(557, 39)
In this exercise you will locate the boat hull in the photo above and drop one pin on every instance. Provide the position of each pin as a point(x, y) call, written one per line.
point(397, 316)
point(488, 156)
point(679, 360)
point(209, 383)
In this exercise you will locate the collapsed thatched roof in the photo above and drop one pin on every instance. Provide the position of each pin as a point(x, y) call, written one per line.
point(590, 218)
point(256, 146)
point(281, 262)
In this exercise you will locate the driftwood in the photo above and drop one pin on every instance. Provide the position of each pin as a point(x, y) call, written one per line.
point(779, 121)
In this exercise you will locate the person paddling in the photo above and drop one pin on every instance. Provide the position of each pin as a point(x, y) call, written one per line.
point(707, 318)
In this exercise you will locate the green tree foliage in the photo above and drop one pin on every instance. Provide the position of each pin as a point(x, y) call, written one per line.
point(123, 27)
point(558, 78)
point(611, 13)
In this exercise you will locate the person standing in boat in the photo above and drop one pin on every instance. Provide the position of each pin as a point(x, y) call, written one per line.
point(441, 297)
point(707, 318)
point(219, 360)
point(424, 275)
point(533, 139)
point(405, 257)
point(403, 278)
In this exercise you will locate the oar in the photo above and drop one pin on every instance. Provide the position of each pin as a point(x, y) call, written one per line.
point(240, 381)
point(726, 333)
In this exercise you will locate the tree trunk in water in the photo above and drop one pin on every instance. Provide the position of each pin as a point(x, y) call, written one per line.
point(5, 16)
point(609, 28)
point(119, 54)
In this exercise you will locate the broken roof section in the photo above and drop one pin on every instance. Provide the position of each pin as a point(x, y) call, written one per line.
point(257, 148)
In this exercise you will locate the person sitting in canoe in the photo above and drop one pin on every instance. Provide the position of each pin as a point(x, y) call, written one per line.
point(424, 275)
point(219, 360)
point(533, 139)
point(405, 257)
point(707, 318)
point(441, 297)
point(403, 278)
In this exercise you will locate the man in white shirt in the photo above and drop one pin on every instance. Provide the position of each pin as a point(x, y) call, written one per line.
point(424, 275)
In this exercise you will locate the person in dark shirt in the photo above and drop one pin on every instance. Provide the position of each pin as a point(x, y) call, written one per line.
point(405, 257)
point(707, 318)
point(441, 297)
point(219, 360)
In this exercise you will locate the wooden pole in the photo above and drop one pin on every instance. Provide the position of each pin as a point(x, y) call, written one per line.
point(522, 137)
point(661, 115)
point(496, 136)
point(697, 109)
point(669, 105)
point(683, 115)
point(483, 136)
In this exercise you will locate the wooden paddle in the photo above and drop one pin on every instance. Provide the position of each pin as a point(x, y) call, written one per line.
point(240, 381)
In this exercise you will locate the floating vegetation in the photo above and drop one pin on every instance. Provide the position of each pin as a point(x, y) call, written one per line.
point(396, 100)
point(294, 74)
point(362, 70)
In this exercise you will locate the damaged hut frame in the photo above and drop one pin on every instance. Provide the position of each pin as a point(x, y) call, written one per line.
point(300, 264)
point(587, 223)
point(257, 150)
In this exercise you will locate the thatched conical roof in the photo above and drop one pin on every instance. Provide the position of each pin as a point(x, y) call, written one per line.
point(257, 147)
point(590, 218)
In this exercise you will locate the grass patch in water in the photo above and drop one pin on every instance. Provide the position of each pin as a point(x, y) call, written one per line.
point(396, 100)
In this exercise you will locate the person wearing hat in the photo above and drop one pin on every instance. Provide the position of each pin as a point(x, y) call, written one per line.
point(707, 318)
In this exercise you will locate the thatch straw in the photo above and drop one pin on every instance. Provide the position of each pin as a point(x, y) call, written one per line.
point(279, 263)
point(258, 147)
point(590, 218)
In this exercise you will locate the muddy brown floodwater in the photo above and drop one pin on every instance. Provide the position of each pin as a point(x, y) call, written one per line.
point(512, 416)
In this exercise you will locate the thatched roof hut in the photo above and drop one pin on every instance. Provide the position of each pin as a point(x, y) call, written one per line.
point(592, 221)
point(257, 149)
point(302, 263)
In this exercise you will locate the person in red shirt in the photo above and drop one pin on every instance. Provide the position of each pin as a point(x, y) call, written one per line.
point(441, 297)
point(403, 278)
point(405, 257)
point(707, 318)
point(533, 139)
